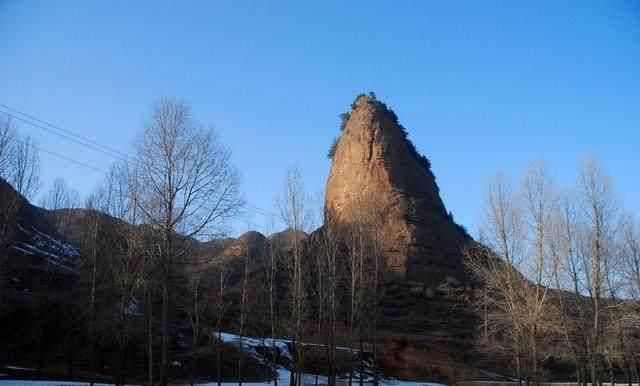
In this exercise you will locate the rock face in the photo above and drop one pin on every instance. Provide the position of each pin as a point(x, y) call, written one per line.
point(374, 158)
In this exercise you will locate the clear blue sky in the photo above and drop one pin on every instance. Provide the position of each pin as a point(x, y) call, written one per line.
point(481, 86)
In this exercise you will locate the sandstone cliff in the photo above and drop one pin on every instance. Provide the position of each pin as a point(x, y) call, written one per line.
point(374, 158)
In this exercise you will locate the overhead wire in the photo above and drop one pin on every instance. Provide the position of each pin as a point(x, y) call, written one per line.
point(97, 146)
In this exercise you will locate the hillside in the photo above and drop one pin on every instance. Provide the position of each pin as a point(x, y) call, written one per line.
point(426, 323)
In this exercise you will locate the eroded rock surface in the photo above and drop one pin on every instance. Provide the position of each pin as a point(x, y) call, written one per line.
point(374, 158)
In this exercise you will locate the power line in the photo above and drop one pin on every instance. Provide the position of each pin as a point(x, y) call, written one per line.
point(59, 155)
point(266, 212)
point(65, 137)
point(64, 131)
point(94, 145)
point(261, 227)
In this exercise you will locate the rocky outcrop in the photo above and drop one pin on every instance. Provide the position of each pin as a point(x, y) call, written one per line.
point(374, 160)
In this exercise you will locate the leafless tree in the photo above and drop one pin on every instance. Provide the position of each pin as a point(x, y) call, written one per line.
point(534, 242)
point(272, 264)
point(97, 200)
point(244, 300)
point(24, 167)
point(20, 167)
point(497, 263)
point(566, 268)
point(187, 184)
point(539, 201)
point(7, 135)
point(364, 258)
point(599, 211)
point(193, 306)
point(58, 200)
point(296, 213)
point(221, 306)
point(9, 202)
point(631, 251)
point(375, 282)
point(331, 269)
point(358, 241)
point(631, 272)
point(123, 253)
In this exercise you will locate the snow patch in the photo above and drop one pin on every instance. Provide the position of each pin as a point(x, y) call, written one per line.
point(133, 307)
point(19, 368)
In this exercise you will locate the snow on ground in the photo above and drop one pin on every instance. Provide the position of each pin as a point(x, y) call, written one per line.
point(67, 249)
point(250, 345)
point(308, 379)
point(19, 368)
point(40, 247)
point(133, 307)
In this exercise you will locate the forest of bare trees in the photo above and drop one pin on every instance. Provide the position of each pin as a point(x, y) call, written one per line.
point(557, 270)
point(559, 274)
point(145, 277)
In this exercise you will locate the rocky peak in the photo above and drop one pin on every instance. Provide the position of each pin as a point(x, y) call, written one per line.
point(374, 158)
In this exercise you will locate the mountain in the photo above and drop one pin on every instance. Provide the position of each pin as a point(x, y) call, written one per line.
point(286, 238)
point(427, 316)
point(31, 236)
point(251, 245)
point(374, 158)
point(426, 322)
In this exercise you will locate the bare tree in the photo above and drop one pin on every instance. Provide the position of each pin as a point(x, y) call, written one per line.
point(533, 242)
point(96, 201)
point(599, 211)
point(272, 264)
point(221, 306)
point(539, 201)
point(358, 245)
point(58, 200)
point(8, 201)
point(375, 224)
point(297, 215)
point(244, 299)
point(566, 271)
point(330, 267)
point(7, 135)
point(496, 262)
point(20, 167)
point(631, 272)
point(187, 186)
point(364, 260)
point(193, 307)
point(631, 251)
point(24, 167)
point(122, 254)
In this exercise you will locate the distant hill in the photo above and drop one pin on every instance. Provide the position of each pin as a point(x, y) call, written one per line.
point(286, 238)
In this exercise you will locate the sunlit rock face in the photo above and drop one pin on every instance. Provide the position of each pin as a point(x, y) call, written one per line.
point(375, 163)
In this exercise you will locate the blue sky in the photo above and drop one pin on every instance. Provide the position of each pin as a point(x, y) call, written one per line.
point(481, 86)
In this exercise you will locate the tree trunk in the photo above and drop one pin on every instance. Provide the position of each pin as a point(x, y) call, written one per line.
point(361, 356)
point(218, 355)
point(518, 367)
point(534, 354)
point(164, 359)
point(40, 348)
point(123, 364)
point(150, 336)
point(68, 350)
